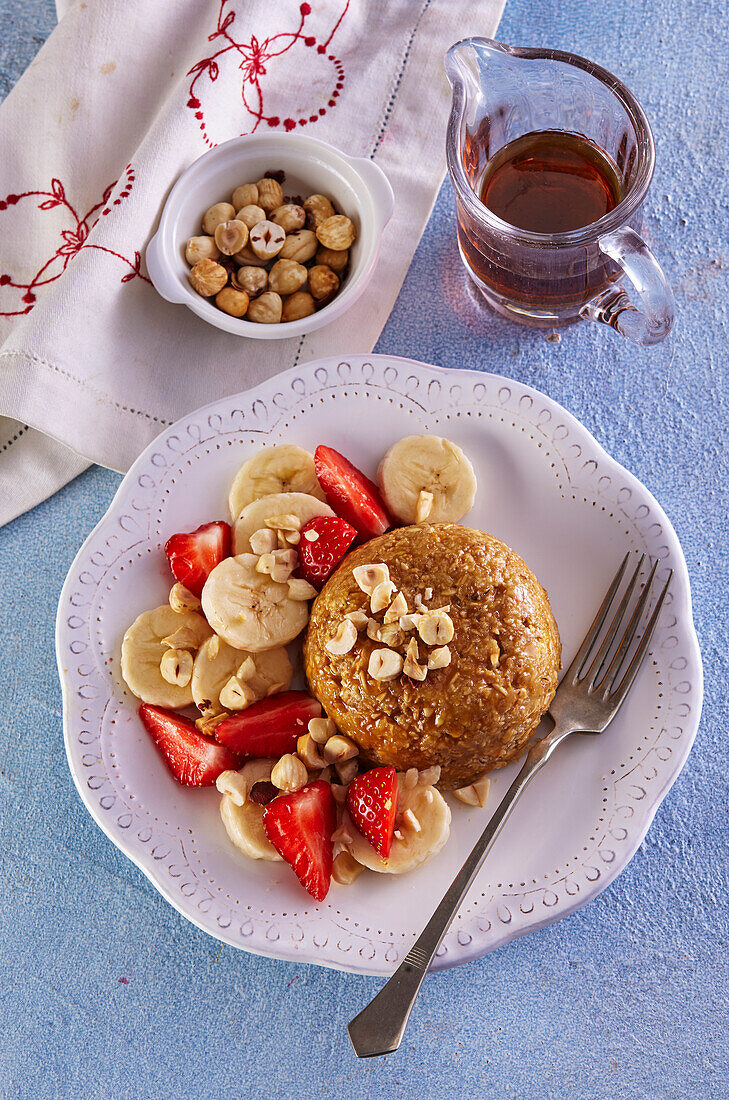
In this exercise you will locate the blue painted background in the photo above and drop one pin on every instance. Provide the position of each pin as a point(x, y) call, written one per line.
point(106, 992)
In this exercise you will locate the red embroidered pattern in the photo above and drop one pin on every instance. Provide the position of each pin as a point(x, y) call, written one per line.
point(253, 61)
point(73, 239)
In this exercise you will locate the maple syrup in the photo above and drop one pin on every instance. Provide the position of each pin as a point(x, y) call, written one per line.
point(549, 181)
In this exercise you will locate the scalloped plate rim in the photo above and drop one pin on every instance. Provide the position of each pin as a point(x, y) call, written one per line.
point(285, 952)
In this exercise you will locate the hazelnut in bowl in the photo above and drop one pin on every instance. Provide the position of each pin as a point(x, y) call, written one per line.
point(271, 235)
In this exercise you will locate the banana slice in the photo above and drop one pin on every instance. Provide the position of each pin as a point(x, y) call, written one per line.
point(248, 610)
point(211, 672)
point(282, 469)
point(254, 515)
point(425, 478)
point(430, 812)
point(244, 826)
point(142, 650)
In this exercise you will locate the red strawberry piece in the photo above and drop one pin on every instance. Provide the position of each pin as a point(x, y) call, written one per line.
point(271, 727)
point(320, 556)
point(372, 804)
point(194, 760)
point(352, 495)
point(300, 827)
point(194, 555)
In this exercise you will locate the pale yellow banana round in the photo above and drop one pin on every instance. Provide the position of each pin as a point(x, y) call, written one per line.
point(286, 468)
point(210, 673)
point(254, 516)
point(248, 610)
point(434, 817)
point(142, 650)
point(244, 826)
point(427, 464)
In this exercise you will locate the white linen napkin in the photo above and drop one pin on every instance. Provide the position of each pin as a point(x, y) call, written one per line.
point(121, 99)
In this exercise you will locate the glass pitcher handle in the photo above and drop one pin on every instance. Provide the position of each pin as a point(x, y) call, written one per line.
point(649, 324)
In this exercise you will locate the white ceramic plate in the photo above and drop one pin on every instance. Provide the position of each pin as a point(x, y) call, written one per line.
point(545, 487)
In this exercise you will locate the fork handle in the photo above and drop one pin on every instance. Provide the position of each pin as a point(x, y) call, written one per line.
point(379, 1028)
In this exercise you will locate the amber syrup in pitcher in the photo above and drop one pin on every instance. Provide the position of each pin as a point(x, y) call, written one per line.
point(547, 181)
point(550, 182)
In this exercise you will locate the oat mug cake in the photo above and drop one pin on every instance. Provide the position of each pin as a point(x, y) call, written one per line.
point(430, 653)
point(484, 650)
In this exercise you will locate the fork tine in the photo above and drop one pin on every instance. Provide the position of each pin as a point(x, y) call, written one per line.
point(604, 650)
point(616, 698)
point(611, 672)
point(582, 654)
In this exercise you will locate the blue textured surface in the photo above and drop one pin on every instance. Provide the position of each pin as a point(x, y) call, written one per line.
point(628, 997)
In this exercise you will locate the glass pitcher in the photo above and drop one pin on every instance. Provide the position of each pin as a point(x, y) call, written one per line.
point(501, 93)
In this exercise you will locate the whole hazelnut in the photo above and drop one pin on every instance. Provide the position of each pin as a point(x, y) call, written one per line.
point(270, 194)
point(298, 305)
point(289, 217)
point(200, 248)
point(286, 276)
point(247, 258)
point(245, 195)
point(323, 282)
point(231, 236)
point(251, 215)
point(232, 301)
point(221, 212)
point(300, 246)
point(267, 309)
point(337, 261)
point(267, 239)
point(253, 280)
point(318, 208)
point(207, 278)
point(336, 232)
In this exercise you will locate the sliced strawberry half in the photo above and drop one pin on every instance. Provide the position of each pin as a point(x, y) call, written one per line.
point(194, 555)
point(300, 827)
point(271, 727)
point(194, 760)
point(324, 542)
point(352, 495)
point(372, 804)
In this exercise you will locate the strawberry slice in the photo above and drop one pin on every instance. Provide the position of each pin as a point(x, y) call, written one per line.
point(194, 555)
point(372, 804)
point(300, 827)
point(352, 495)
point(319, 556)
point(271, 727)
point(194, 760)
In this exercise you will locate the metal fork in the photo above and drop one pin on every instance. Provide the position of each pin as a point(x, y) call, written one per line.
point(586, 701)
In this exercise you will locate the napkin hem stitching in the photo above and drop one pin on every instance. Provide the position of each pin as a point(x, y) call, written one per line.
point(104, 398)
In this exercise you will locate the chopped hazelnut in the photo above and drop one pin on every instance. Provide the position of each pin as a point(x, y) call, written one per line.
point(343, 640)
point(475, 794)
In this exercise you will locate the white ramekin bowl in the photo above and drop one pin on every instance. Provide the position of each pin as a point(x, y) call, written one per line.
point(357, 187)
